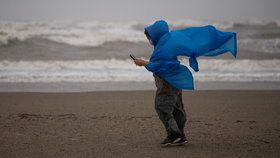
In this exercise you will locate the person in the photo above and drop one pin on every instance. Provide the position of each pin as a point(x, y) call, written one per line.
point(169, 106)
point(171, 77)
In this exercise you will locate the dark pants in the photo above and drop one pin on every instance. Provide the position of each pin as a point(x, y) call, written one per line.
point(170, 110)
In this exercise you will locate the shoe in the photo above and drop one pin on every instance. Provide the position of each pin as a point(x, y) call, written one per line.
point(179, 142)
point(169, 141)
point(166, 142)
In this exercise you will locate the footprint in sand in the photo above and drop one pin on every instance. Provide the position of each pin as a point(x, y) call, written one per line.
point(238, 121)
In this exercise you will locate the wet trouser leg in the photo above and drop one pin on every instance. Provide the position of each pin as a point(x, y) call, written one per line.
point(171, 112)
point(180, 114)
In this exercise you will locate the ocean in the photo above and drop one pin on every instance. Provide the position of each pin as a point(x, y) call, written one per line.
point(68, 56)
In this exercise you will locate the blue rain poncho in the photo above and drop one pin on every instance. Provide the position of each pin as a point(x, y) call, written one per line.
point(191, 42)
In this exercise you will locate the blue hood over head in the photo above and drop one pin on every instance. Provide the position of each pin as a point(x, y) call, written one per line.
point(157, 30)
point(191, 42)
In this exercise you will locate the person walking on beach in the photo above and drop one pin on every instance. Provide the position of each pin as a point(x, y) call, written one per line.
point(171, 77)
point(168, 105)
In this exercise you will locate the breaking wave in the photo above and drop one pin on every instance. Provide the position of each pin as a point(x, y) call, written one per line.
point(124, 70)
point(97, 33)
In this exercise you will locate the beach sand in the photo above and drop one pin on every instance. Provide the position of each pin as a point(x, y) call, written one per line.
point(124, 124)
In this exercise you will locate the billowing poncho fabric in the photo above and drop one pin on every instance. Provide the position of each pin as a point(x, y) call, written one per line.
point(191, 42)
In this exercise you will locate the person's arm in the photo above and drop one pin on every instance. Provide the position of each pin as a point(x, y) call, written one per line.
point(141, 62)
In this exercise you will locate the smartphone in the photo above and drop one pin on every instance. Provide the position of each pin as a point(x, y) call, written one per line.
point(132, 57)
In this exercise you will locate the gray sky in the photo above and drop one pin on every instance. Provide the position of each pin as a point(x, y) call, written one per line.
point(138, 10)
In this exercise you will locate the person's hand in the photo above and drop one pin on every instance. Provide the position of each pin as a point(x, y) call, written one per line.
point(140, 62)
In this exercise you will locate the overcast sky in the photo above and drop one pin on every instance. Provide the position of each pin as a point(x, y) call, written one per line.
point(138, 10)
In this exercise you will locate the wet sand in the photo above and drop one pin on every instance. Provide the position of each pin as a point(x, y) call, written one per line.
point(130, 86)
point(124, 124)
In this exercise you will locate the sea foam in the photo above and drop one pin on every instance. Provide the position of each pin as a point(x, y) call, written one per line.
point(97, 33)
point(124, 70)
